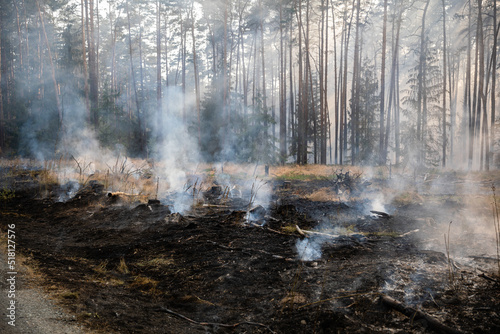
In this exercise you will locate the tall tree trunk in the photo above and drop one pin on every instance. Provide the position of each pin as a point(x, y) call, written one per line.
point(183, 70)
point(382, 151)
point(93, 80)
point(52, 67)
point(326, 118)
point(300, 112)
point(142, 140)
point(393, 91)
point(225, 78)
point(355, 88)
point(343, 115)
point(141, 66)
point(397, 112)
point(468, 128)
point(481, 95)
point(493, 84)
point(479, 75)
point(292, 113)
point(2, 116)
point(444, 86)
point(322, 120)
point(196, 79)
point(282, 90)
point(336, 86)
point(262, 58)
point(84, 58)
point(158, 64)
point(421, 99)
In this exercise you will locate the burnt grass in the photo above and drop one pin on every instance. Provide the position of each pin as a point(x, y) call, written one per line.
point(140, 268)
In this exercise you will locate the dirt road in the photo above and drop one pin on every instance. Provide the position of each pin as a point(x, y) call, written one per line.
point(35, 312)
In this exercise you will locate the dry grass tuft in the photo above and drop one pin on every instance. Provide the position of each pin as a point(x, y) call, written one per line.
point(310, 171)
point(101, 267)
point(322, 195)
point(122, 267)
point(294, 298)
point(68, 295)
point(146, 285)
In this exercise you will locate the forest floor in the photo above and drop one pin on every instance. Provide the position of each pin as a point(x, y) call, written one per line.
point(312, 259)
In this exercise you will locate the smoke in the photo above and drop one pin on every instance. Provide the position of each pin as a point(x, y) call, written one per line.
point(309, 249)
point(176, 149)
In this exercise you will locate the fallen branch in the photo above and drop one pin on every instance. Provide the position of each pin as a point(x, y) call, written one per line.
point(299, 230)
point(306, 232)
point(416, 315)
point(488, 278)
point(214, 324)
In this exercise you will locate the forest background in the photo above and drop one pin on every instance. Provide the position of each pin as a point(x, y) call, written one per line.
point(403, 82)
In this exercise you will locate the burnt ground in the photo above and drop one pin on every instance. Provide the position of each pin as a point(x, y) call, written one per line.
point(139, 268)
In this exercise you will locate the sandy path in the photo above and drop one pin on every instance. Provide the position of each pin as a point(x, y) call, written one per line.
point(35, 312)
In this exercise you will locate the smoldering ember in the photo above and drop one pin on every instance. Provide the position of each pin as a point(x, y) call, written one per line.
point(249, 166)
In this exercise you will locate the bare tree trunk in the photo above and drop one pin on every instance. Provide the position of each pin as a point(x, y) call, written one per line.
point(382, 88)
point(85, 69)
point(326, 113)
point(300, 112)
point(141, 67)
point(142, 140)
point(262, 51)
point(282, 90)
point(343, 115)
point(421, 111)
point(196, 79)
point(53, 70)
point(292, 98)
point(397, 112)
point(355, 88)
point(19, 37)
point(467, 107)
point(28, 68)
point(158, 64)
point(183, 62)
point(444, 86)
point(493, 84)
point(2, 116)
point(336, 85)
point(480, 80)
point(225, 83)
point(393, 91)
point(94, 92)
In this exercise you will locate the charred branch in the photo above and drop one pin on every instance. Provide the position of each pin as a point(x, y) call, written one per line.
point(418, 315)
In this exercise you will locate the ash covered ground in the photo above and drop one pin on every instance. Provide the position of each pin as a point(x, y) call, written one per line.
point(289, 253)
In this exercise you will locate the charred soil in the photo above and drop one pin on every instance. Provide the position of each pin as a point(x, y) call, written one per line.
point(140, 268)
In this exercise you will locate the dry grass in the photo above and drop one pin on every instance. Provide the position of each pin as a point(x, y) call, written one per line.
point(122, 267)
point(316, 170)
point(294, 298)
point(101, 268)
point(289, 229)
point(156, 262)
point(68, 295)
point(143, 282)
point(407, 198)
point(322, 195)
